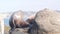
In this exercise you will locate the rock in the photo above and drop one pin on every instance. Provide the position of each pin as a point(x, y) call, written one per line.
point(5, 32)
point(20, 31)
point(48, 21)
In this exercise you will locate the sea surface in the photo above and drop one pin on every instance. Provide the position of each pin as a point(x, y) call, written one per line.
point(6, 21)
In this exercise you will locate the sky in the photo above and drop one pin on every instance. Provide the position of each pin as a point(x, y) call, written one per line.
point(28, 5)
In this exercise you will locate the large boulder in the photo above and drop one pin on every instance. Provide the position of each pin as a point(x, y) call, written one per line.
point(48, 21)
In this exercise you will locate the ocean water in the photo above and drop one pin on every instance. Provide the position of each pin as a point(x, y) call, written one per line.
point(6, 21)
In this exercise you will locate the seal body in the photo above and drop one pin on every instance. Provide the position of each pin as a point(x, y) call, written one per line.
point(17, 21)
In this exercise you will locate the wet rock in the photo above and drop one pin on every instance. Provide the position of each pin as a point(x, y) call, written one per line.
point(48, 21)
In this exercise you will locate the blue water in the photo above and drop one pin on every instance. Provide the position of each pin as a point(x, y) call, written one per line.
point(6, 21)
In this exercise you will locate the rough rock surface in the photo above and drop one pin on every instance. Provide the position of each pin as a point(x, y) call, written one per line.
point(48, 21)
point(19, 31)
